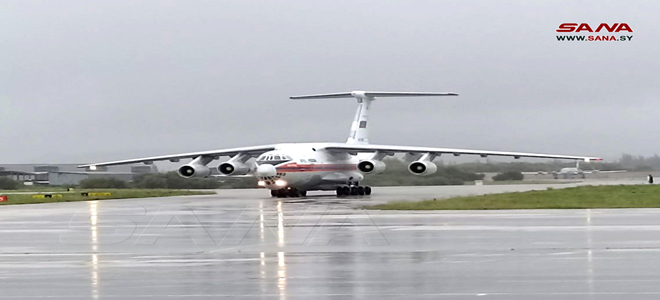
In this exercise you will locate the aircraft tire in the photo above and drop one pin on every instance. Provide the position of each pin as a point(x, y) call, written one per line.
point(354, 191)
point(340, 191)
point(303, 193)
point(367, 190)
point(345, 190)
point(360, 190)
point(293, 193)
point(273, 193)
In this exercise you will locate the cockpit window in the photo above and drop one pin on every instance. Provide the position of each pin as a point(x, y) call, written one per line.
point(273, 159)
point(312, 160)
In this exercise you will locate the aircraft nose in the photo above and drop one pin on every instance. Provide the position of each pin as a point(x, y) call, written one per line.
point(265, 170)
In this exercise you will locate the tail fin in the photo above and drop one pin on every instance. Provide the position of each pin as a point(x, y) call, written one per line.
point(359, 132)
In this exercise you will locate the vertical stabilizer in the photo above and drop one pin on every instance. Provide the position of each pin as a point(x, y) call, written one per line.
point(359, 129)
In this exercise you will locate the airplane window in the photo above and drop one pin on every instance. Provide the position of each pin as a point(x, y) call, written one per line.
point(312, 160)
point(303, 160)
point(277, 157)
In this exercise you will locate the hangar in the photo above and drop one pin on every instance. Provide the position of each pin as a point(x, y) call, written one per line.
point(68, 174)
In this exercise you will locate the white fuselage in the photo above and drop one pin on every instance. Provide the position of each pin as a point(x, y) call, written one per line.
point(569, 173)
point(306, 166)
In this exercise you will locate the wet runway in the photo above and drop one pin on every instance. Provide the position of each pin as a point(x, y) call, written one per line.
point(242, 244)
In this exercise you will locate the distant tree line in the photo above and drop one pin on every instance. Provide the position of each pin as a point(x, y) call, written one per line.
point(397, 173)
point(7, 183)
point(169, 180)
point(640, 163)
point(509, 175)
point(626, 162)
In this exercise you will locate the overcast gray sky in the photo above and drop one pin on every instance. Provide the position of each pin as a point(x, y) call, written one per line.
point(88, 81)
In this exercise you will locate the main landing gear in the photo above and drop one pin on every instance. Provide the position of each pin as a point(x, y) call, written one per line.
point(353, 190)
point(288, 192)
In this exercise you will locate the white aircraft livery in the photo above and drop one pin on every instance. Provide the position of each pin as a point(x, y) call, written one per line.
point(571, 172)
point(292, 169)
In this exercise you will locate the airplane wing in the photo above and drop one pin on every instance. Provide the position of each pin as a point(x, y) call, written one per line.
point(613, 171)
point(254, 151)
point(362, 148)
point(536, 173)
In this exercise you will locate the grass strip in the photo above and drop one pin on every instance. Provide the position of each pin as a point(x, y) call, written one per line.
point(114, 194)
point(619, 196)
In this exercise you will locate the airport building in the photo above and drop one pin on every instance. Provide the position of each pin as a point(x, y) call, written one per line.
point(69, 174)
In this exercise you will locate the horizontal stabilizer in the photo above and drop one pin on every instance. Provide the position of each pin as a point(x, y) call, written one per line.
point(361, 94)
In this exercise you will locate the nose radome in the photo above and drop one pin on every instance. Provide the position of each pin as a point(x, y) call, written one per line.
point(266, 170)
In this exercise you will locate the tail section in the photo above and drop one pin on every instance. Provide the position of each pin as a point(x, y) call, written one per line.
point(359, 131)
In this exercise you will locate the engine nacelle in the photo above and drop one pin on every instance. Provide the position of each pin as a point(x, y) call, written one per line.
point(233, 168)
point(194, 170)
point(422, 168)
point(371, 166)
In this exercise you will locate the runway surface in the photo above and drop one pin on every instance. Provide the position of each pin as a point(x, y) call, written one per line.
point(242, 244)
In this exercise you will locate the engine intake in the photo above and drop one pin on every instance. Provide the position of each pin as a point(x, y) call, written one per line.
point(233, 168)
point(194, 170)
point(371, 166)
point(422, 168)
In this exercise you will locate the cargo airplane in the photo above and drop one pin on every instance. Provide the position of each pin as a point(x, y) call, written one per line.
point(292, 169)
point(567, 173)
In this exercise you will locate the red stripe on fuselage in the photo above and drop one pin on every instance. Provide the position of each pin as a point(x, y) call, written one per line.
point(293, 168)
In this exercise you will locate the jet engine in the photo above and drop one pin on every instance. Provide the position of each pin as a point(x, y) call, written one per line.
point(194, 170)
point(233, 168)
point(371, 166)
point(422, 168)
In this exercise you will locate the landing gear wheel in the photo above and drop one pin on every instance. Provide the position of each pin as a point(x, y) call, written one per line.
point(273, 193)
point(340, 191)
point(281, 193)
point(303, 193)
point(293, 192)
point(354, 190)
point(345, 190)
point(367, 190)
point(360, 190)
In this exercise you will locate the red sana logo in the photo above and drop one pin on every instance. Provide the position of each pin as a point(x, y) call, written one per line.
point(575, 27)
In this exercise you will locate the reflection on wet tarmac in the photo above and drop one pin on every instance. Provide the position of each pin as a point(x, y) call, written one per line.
point(320, 250)
point(93, 218)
